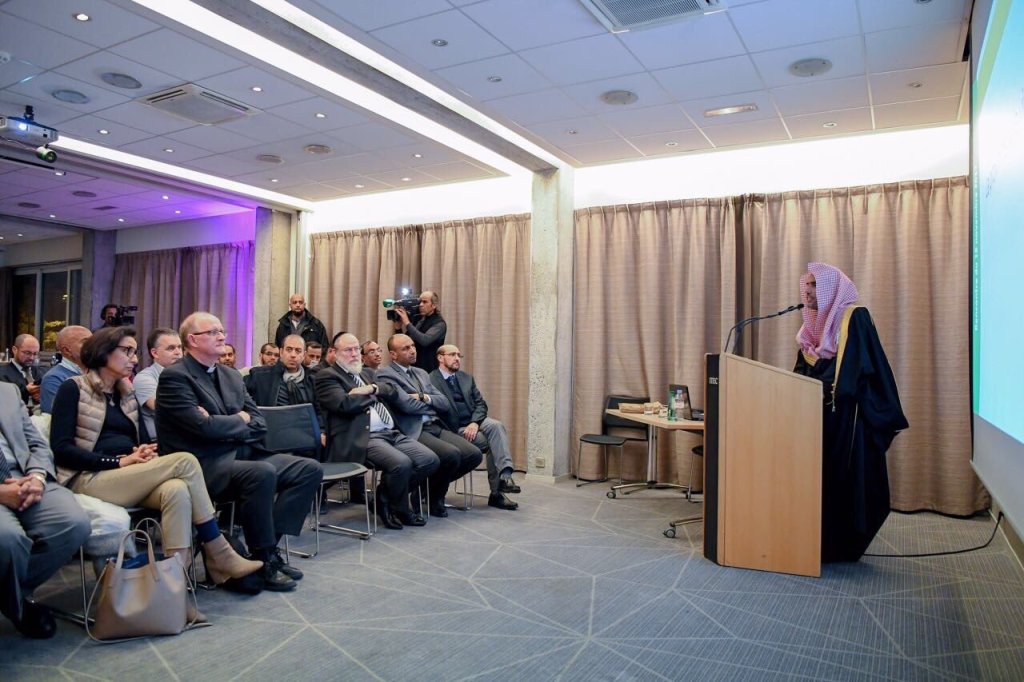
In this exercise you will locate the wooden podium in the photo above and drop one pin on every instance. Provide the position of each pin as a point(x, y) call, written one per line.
point(762, 467)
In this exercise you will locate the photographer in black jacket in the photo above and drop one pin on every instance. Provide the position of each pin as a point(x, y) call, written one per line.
point(427, 332)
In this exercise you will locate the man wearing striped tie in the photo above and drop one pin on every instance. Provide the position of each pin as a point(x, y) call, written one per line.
point(360, 428)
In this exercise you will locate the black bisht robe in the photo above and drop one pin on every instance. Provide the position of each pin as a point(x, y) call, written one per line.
point(857, 430)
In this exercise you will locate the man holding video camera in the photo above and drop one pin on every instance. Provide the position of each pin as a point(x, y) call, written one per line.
point(427, 332)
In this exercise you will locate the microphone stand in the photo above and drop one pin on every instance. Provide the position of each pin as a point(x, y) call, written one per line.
point(738, 327)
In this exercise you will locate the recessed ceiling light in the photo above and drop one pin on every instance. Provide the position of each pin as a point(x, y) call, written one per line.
point(320, 114)
point(2, 237)
point(417, 156)
point(494, 79)
point(672, 144)
point(406, 179)
point(256, 88)
point(619, 97)
point(571, 132)
point(177, 211)
point(120, 220)
point(269, 158)
point(812, 66)
point(274, 180)
point(168, 150)
point(438, 42)
point(317, 149)
point(120, 80)
point(53, 215)
point(20, 234)
point(58, 173)
point(735, 109)
point(914, 84)
point(829, 124)
point(81, 16)
point(165, 197)
point(70, 96)
point(358, 186)
point(103, 131)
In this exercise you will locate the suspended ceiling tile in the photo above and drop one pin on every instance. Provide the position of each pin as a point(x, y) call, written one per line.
point(371, 162)
point(846, 55)
point(574, 131)
point(155, 148)
point(781, 23)
point(423, 154)
point(362, 185)
point(942, 110)
point(87, 128)
point(15, 70)
point(696, 109)
point(879, 15)
point(265, 126)
point(607, 151)
point(168, 51)
point(649, 92)
point(378, 13)
point(702, 39)
point(90, 69)
point(535, 107)
point(820, 95)
point(45, 85)
point(312, 191)
point(670, 142)
point(222, 165)
point(212, 138)
point(585, 59)
point(304, 113)
point(522, 24)
point(107, 26)
point(907, 48)
point(710, 79)
point(516, 76)
point(403, 178)
point(39, 46)
point(846, 122)
point(457, 171)
point(238, 85)
point(466, 41)
point(929, 82)
point(144, 117)
point(48, 111)
point(371, 136)
point(750, 132)
point(628, 121)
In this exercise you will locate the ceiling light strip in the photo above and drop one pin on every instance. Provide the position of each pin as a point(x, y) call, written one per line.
point(242, 39)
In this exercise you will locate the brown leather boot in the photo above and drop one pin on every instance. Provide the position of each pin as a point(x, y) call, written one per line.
point(223, 563)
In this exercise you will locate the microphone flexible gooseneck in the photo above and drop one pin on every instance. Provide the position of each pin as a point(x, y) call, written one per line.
point(738, 327)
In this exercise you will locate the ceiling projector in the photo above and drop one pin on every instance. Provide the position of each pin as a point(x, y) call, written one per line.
point(25, 131)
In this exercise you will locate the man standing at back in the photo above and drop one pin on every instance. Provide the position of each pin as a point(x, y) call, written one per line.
point(427, 333)
point(23, 371)
point(203, 408)
point(300, 321)
point(69, 343)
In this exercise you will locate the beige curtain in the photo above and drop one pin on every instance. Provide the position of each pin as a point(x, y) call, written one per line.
point(905, 245)
point(480, 270)
point(168, 285)
point(654, 292)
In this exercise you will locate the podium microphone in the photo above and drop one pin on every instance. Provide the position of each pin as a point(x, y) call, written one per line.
point(738, 327)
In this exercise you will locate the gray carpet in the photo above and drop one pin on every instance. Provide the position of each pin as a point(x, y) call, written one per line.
point(575, 586)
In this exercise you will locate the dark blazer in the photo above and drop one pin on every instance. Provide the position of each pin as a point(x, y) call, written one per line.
point(347, 416)
point(428, 334)
point(467, 384)
point(264, 383)
point(216, 440)
point(408, 411)
point(29, 447)
point(9, 373)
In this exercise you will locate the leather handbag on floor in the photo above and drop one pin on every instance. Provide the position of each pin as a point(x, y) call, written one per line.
point(139, 602)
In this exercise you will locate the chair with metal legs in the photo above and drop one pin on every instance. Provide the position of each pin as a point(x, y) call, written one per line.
point(335, 472)
point(608, 439)
point(670, 532)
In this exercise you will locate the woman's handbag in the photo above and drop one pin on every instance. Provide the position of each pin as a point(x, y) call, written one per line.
point(139, 602)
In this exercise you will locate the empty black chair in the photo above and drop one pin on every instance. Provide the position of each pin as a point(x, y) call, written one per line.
point(606, 438)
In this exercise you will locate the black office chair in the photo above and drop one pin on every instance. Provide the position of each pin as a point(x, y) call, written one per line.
point(606, 439)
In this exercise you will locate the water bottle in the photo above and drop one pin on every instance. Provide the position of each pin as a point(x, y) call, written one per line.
point(671, 405)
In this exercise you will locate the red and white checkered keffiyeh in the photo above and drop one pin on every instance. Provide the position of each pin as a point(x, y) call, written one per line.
point(819, 335)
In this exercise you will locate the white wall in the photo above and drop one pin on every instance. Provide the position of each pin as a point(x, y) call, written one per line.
point(835, 162)
point(56, 250)
point(236, 227)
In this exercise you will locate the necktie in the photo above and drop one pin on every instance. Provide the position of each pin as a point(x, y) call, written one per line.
point(416, 379)
point(452, 385)
point(5, 469)
point(378, 406)
point(28, 380)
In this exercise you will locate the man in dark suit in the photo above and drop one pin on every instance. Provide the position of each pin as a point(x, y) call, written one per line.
point(203, 408)
point(427, 333)
point(468, 417)
point(287, 382)
point(41, 524)
point(22, 371)
point(418, 406)
point(361, 429)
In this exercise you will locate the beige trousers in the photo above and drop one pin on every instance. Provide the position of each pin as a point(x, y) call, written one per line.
point(173, 484)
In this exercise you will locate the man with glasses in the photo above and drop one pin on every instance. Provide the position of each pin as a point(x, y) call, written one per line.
point(69, 344)
point(203, 408)
point(164, 346)
point(468, 417)
point(22, 370)
point(373, 355)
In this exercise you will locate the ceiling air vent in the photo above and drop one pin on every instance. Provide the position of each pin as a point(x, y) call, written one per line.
point(626, 15)
point(199, 105)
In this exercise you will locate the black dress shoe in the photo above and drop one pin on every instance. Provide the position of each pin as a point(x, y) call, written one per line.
point(278, 562)
point(501, 502)
point(438, 510)
point(250, 584)
point(410, 519)
point(389, 520)
point(274, 580)
point(36, 622)
point(507, 485)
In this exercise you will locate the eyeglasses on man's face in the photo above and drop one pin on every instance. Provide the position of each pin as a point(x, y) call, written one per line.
point(216, 331)
point(130, 351)
point(453, 355)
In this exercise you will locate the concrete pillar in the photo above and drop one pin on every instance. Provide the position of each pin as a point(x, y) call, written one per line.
point(551, 310)
point(274, 253)
point(98, 251)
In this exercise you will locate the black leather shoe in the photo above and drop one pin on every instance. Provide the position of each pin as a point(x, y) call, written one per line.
point(410, 519)
point(389, 520)
point(36, 622)
point(274, 580)
point(507, 485)
point(278, 562)
point(501, 502)
point(438, 510)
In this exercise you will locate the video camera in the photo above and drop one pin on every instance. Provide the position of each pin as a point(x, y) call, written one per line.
point(123, 317)
point(410, 303)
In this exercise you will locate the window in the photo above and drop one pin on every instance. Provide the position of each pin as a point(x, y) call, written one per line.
point(47, 299)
